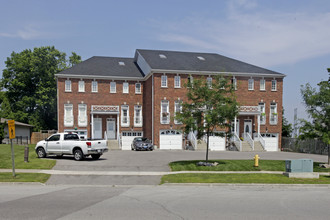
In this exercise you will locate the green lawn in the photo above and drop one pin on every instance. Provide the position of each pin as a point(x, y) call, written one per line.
point(34, 162)
point(240, 178)
point(236, 165)
point(24, 177)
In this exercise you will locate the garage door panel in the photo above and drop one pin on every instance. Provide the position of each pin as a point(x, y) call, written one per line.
point(126, 141)
point(168, 141)
point(217, 143)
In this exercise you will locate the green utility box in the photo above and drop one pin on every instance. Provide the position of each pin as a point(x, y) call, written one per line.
point(299, 166)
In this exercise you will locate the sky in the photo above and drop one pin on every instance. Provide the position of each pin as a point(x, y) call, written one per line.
point(288, 36)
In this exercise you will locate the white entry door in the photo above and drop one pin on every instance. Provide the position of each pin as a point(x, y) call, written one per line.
point(247, 128)
point(97, 128)
point(111, 128)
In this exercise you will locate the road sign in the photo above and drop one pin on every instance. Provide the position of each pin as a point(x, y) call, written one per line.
point(11, 129)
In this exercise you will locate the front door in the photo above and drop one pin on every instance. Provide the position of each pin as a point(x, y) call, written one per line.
point(247, 128)
point(97, 128)
point(111, 128)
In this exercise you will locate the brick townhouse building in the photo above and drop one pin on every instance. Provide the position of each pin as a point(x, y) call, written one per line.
point(122, 98)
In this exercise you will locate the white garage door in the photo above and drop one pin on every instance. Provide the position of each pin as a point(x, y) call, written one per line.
point(217, 143)
point(271, 141)
point(127, 138)
point(170, 140)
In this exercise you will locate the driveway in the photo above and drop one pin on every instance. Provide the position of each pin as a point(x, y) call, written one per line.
point(146, 161)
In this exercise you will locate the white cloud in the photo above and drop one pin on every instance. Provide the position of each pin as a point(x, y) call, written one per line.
point(265, 38)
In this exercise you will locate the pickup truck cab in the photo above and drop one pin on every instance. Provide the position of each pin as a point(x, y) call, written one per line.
point(69, 144)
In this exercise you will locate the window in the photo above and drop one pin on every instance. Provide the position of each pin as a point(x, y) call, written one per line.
point(209, 82)
point(55, 137)
point(177, 108)
point(251, 84)
point(68, 115)
point(68, 137)
point(138, 88)
point(274, 85)
point(82, 115)
point(273, 114)
point(68, 85)
point(262, 84)
point(164, 112)
point(94, 86)
point(164, 81)
point(190, 81)
point(112, 87)
point(262, 113)
point(177, 82)
point(234, 83)
point(138, 116)
point(125, 87)
point(81, 86)
point(124, 116)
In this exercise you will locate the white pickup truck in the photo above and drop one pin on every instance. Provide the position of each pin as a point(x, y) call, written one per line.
point(69, 144)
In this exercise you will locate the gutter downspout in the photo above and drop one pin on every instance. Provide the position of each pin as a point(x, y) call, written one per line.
point(152, 109)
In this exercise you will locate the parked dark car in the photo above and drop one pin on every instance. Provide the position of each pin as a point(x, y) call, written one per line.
point(142, 143)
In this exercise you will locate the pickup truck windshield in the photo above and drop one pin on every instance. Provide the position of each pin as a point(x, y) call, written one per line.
point(71, 137)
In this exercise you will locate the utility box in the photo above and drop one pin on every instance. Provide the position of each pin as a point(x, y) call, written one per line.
point(299, 166)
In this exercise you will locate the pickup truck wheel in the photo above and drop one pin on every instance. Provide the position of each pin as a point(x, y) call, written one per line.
point(96, 156)
point(78, 155)
point(41, 152)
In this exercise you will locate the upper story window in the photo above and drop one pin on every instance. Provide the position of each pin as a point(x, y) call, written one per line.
point(262, 113)
point(124, 116)
point(112, 87)
point(177, 82)
point(274, 85)
point(251, 84)
point(234, 83)
point(94, 86)
point(68, 115)
point(81, 86)
point(262, 84)
point(138, 116)
point(177, 108)
point(68, 85)
point(164, 112)
point(164, 81)
point(125, 87)
point(273, 117)
point(138, 88)
point(82, 115)
point(209, 82)
point(190, 81)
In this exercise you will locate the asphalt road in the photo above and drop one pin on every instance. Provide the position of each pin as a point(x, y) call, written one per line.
point(164, 202)
point(147, 161)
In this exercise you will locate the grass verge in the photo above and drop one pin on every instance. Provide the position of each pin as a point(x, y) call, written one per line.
point(237, 165)
point(34, 161)
point(240, 178)
point(24, 177)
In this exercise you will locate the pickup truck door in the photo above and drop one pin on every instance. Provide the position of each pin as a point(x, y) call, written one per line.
point(54, 144)
point(69, 141)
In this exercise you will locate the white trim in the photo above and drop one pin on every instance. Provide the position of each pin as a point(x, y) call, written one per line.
point(81, 88)
point(274, 88)
point(164, 115)
point(94, 84)
point(251, 85)
point(123, 124)
point(68, 116)
point(273, 116)
point(138, 107)
point(125, 91)
point(177, 78)
point(163, 80)
point(264, 85)
point(113, 87)
point(82, 115)
point(140, 90)
point(68, 86)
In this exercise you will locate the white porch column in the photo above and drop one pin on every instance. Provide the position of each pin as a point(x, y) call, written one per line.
point(235, 125)
point(118, 126)
point(258, 125)
point(92, 131)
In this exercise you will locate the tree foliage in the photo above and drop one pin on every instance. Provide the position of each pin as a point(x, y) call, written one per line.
point(286, 127)
point(208, 107)
point(30, 87)
point(317, 102)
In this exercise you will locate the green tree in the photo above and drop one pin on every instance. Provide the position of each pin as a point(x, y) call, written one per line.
point(317, 102)
point(209, 106)
point(286, 127)
point(30, 86)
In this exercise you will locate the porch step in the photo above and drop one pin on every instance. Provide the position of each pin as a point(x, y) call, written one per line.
point(113, 145)
point(201, 145)
point(258, 146)
point(246, 146)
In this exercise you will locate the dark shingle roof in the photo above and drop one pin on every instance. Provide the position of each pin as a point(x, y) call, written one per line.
point(189, 61)
point(105, 67)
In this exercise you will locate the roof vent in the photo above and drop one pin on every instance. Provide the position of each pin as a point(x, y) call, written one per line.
point(162, 56)
point(201, 58)
point(121, 63)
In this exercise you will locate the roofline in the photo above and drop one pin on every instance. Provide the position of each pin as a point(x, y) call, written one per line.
point(97, 77)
